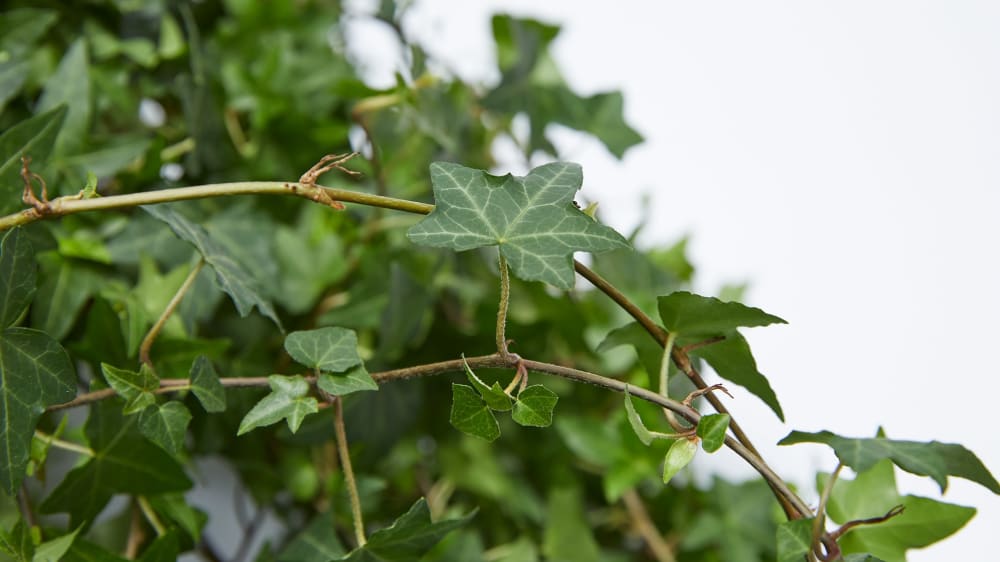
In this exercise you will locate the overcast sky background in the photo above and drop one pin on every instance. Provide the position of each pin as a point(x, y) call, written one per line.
point(842, 158)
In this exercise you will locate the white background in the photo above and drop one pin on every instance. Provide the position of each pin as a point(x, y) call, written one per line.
point(842, 158)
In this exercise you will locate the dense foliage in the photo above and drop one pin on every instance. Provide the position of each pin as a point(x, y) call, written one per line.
point(285, 333)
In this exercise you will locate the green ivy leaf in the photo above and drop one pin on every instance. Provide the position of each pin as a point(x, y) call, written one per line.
point(288, 400)
point(679, 455)
point(123, 463)
point(206, 386)
point(315, 542)
point(230, 274)
point(135, 388)
point(568, 534)
point(86, 551)
point(166, 425)
point(66, 287)
point(53, 550)
point(532, 219)
point(534, 406)
point(469, 414)
point(935, 459)
point(794, 540)
point(35, 372)
point(17, 541)
point(354, 380)
point(164, 549)
point(327, 349)
point(732, 359)
point(712, 430)
point(176, 508)
point(32, 137)
point(649, 352)
point(644, 435)
point(872, 493)
point(862, 557)
point(408, 538)
point(494, 396)
point(18, 273)
point(690, 314)
point(70, 86)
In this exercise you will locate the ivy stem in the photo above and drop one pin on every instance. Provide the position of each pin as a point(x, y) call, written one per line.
point(54, 441)
point(501, 333)
point(345, 463)
point(147, 342)
point(819, 522)
point(646, 528)
point(668, 347)
point(151, 517)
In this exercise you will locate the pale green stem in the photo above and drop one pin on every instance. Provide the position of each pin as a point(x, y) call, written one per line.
point(150, 515)
point(501, 333)
point(147, 342)
point(345, 464)
point(64, 445)
point(820, 520)
point(665, 361)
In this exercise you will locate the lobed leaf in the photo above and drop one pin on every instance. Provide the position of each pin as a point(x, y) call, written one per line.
point(494, 396)
point(534, 406)
point(408, 538)
point(327, 349)
point(794, 540)
point(532, 219)
point(689, 314)
point(469, 414)
point(287, 401)
point(732, 360)
point(136, 388)
point(206, 386)
point(354, 380)
point(165, 425)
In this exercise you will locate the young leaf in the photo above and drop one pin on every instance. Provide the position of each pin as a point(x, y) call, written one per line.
point(166, 425)
point(53, 550)
point(17, 276)
point(354, 380)
point(327, 349)
point(469, 414)
point(408, 538)
point(287, 401)
point(794, 540)
point(732, 359)
point(678, 456)
point(534, 406)
point(494, 396)
point(231, 275)
point(935, 459)
point(35, 372)
point(135, 388)
point(644, 435)
point(689, 314)
point(33, 137)
point(206, 386)
point(712, 430)
point(862, 557)
point(532, 219)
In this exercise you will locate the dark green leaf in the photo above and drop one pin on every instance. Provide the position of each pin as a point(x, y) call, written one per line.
point(315, 542)
point(288, 400)
point(794, 540)
point(569, 536)
point(70, 86)
point(176, 508)
point(494, 396)
point(86, 551)
point(135, 388)
point(53, 550)
point(408, 538)
point(534, 406)
point(66, 287)
point(862, 557)
point(21, 28)
point(206, 386)
point(32, 137)
point(12, 76)
point(732, 359)
point(166, 425)
point(231, 275)
point(354, 380)
point(712, 429)
point(327, 349)
point(17, 542)
point(690, 314)
point(17, 276)
point(164, 549)
point(471, 415)
point(35, 372)
point(935, 459)
point(678, 456)
point(532, 219)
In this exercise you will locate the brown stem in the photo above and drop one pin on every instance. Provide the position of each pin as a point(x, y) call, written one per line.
point(872, 521)
point(345, 463)
point(646, 528)
point(147, 342)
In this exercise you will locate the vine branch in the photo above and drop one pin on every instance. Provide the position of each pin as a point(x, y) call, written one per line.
point(147, 342)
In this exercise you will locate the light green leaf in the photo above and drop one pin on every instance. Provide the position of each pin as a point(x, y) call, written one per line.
point(862, 557)
point(644, 435)
point(166, 425)
point(569, 537)
point(470, 414)
point(690, 314)
point(732, 359)
point(18, 273)
point(534, 406)
point(494, 396)
point(230, 274)
point(172, 43)
point(327, 349)
point(532, 219)
point(408, 538)
point(649, 352)
point(339, 384)
point(794, 540)
point(287, 401)
point(35, 372)
point(678, 456)
point(135, 388)
point(21, 28)
point(935, 459)
point(712, 430)
point(13, 74)
point(54, 550)
point(32, 137)
point(315, 542)
point(70, 85)
point(206, 386)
